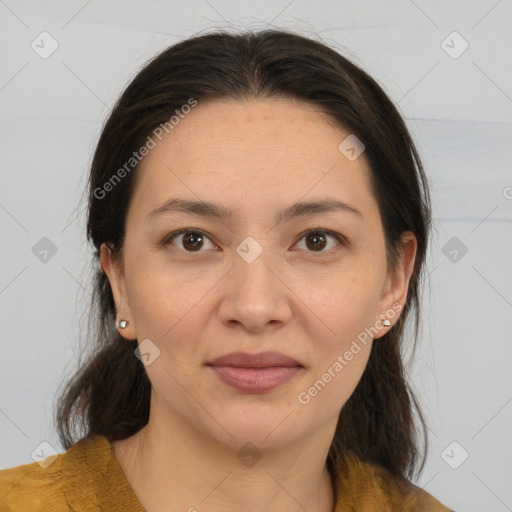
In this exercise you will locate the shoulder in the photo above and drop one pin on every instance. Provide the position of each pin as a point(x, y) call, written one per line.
point(368, 487)
point(56, 483)
point(32, 487)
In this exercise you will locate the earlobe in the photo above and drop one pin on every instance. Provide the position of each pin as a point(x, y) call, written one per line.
point(115, 274)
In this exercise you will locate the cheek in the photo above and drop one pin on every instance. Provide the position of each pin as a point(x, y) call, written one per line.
point(167, 308)
point(348, 307)
point(340, 357)
point(348, 304)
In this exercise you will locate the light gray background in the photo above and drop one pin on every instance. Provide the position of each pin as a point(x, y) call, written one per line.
point(459, 111)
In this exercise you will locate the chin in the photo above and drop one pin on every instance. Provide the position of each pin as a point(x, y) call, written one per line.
point(265, 425)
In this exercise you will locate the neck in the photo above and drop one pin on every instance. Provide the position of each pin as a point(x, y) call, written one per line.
point(178, 469)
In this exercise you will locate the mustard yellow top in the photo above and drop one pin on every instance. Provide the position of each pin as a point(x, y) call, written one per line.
point(88, 478)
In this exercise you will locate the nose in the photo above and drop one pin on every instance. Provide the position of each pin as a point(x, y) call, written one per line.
point(255, 295)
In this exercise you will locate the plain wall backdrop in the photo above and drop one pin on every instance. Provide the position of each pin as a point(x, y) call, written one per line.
point(447, 67)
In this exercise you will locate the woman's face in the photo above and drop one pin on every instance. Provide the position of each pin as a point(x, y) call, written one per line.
point(253, 281)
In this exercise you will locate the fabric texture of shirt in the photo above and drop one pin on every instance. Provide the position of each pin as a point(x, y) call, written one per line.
point(89, 478)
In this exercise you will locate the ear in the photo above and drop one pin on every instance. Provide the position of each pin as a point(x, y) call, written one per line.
point(115, 273)
point(395, 289)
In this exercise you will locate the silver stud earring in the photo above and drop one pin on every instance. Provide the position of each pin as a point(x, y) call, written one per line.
point(123, 324)
point(386, 322)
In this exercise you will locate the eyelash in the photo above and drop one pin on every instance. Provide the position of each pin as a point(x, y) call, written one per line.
point(339, 238)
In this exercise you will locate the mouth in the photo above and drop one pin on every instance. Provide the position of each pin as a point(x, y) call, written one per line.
point(255, 373)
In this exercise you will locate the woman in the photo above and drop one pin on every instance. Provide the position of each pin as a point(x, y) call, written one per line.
point(261, 217)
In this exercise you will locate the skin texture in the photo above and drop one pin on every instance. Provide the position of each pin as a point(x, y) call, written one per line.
point(254, 157)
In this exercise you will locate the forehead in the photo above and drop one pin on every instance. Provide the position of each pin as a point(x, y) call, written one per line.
point(246, 153)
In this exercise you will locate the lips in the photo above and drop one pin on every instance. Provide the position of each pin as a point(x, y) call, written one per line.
point(255, 373)
point(261, 360)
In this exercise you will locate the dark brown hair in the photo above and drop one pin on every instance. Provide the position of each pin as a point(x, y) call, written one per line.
point(110, 393)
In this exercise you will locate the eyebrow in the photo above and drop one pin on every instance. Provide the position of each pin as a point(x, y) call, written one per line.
point(212, 210)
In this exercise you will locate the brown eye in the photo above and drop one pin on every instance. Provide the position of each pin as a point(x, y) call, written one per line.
point(191, 241)
point(316, 241)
